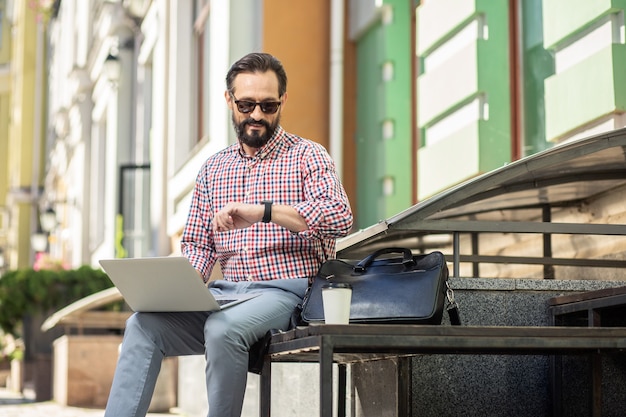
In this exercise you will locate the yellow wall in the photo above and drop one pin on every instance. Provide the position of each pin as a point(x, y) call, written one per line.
point(23, 144)
point(23, 72)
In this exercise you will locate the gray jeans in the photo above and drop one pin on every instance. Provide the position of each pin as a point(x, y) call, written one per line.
point(224, 337)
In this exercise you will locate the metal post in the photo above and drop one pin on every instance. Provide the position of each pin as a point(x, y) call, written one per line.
point(326, 377)
point(456, 255)
point(548, 269)
point(265, 402)
point(341, 389)
point(475, 265)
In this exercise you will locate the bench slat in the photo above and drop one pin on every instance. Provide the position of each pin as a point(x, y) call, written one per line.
point(587, 295)
point(402, 339)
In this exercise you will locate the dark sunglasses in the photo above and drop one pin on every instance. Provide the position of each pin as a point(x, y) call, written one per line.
point(267, 107)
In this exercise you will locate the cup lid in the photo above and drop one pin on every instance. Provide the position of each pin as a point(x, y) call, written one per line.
point(336, 285)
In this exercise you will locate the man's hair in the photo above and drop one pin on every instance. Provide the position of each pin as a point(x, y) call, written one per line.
point(258, 62)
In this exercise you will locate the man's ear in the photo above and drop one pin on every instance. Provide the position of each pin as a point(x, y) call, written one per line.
point(284, 99)
point(228, 97)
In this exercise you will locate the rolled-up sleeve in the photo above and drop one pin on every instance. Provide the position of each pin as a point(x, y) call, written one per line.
point(325, 208)
point(197, 239)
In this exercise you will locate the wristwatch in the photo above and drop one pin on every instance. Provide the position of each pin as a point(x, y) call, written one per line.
point(267, 214)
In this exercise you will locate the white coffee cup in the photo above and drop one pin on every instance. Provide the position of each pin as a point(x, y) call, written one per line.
point(336, 298)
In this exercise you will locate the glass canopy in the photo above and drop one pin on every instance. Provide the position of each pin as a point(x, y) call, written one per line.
point(547, 194)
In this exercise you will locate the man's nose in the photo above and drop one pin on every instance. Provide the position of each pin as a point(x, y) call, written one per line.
point(257, 114)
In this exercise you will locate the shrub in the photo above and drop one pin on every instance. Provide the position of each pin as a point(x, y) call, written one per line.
point(27, 291)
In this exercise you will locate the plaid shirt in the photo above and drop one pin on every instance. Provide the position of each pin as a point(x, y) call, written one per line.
point(288, 170)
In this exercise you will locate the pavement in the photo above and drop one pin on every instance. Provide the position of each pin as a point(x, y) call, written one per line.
point(14, 404)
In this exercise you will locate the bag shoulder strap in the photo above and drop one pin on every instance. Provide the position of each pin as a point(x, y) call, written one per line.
point(452, 306)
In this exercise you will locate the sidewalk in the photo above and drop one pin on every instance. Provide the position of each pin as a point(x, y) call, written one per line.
point(16, 405)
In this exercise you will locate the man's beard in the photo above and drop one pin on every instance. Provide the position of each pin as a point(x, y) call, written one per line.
point(256, 139)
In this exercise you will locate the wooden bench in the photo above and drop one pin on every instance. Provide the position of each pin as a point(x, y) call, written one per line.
point(606, 308)
point(80, 314)
point(345, 344)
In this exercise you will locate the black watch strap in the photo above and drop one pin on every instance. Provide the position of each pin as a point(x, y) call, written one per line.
point(267, 214)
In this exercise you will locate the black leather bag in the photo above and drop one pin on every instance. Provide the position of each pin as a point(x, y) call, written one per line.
point(408, 289)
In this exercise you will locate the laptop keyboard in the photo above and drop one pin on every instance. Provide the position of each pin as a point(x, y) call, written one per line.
point(222, 301)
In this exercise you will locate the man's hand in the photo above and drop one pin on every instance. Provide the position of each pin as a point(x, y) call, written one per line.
point(237, 216)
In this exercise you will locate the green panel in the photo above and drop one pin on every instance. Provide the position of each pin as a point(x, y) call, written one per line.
point(619, 77)
point(368, 141)
point(378, 101)
point(537, 65)
point(494, 82)
point(562, 18)
point(495, 146)
point(583, 93)
point(398, 99)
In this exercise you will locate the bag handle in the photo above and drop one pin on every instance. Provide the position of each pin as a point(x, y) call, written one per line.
point(407, 258)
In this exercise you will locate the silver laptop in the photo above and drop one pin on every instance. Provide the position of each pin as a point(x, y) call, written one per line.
point(162, 284)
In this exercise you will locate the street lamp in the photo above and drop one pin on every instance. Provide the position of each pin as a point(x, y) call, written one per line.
point(112, 67)
point(39, 240)
point(47, 223)
point(48, 220)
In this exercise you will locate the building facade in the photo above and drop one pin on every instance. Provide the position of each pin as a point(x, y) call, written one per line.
point(410, 98)
point(108, 108)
